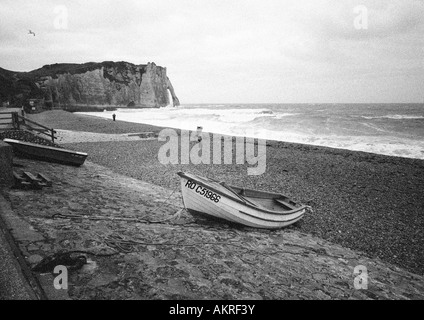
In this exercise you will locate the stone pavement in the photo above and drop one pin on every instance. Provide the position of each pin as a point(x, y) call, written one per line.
point(140, 244)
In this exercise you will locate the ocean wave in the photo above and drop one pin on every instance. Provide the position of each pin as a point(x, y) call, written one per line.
point(284, 115)
point(266, 112)
point(394, 117)
point(337, 129)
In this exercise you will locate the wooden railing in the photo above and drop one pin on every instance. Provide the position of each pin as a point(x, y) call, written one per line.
point(18, 122)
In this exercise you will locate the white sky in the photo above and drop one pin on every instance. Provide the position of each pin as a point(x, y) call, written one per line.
point(234, 51)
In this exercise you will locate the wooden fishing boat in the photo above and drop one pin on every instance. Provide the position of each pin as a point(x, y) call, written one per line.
point(46, 153)
point(253, 208)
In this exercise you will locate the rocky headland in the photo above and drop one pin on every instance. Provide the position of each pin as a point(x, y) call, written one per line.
point(108, 83)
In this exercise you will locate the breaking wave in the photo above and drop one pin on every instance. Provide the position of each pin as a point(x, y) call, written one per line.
point(338, 126)
point(394, 117)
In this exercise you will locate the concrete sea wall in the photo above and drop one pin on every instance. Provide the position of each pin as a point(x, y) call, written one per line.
point(6, 169)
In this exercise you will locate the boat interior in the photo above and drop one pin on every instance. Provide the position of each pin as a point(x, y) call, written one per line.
point(261, 199)
point(270, 201)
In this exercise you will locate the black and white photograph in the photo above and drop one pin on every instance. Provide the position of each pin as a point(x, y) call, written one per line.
point(207, 156)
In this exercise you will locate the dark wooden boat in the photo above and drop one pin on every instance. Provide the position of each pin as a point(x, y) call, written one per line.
point(253, 208)
point(46, 153)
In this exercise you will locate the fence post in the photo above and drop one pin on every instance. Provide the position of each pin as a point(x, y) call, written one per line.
point(15, 120)
point(23, 115)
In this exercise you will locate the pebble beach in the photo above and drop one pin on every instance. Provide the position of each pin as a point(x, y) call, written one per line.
point(366, 202)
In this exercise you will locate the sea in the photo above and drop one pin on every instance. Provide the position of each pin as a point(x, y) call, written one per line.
point(389, 129)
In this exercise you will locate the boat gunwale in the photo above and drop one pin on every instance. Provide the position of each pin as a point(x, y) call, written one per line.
point(273, 221)
point(286, 212)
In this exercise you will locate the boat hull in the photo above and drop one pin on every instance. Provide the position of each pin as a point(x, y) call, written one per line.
point(231, 210)
point(46, 153)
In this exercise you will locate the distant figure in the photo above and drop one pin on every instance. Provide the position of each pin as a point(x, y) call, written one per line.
point(114, 117)
point(30, 32)
point(199, 134)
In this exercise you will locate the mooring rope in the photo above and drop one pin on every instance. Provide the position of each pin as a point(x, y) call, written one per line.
point(126, 245)
point(97, 218)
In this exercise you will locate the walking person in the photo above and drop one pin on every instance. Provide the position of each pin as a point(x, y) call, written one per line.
point(114, 117)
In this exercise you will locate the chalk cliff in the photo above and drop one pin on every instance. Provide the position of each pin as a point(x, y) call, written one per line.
point(91, 84)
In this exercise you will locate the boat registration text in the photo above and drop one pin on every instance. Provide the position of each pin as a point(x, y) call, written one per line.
point(203, 191)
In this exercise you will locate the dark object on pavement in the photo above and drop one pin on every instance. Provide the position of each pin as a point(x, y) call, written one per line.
point(60, 259)
point(114, 117)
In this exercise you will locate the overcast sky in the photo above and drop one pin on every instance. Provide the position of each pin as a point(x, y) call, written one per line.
point(234, 51)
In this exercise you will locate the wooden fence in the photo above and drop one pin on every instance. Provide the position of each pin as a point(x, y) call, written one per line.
point(5, 118)
point(14, 121)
